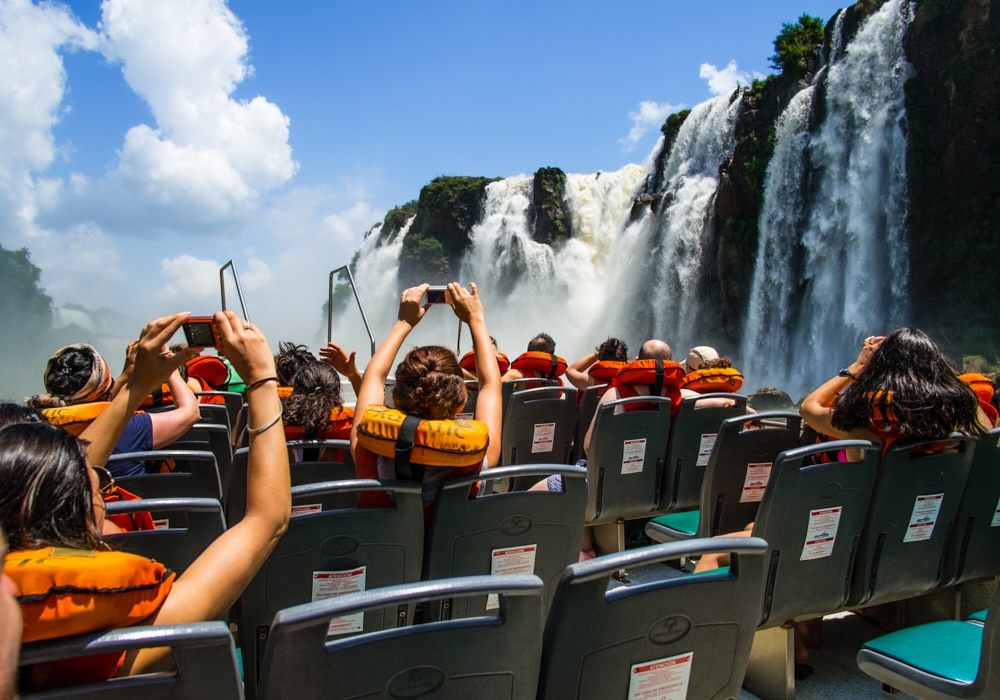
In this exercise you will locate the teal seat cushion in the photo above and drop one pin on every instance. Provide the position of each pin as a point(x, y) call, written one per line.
point(979, 616)
point(686, 522)
point(949, 649)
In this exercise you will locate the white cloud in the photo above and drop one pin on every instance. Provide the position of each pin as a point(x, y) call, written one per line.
point(721, 82)
point(650, 114)
point(189, 278)
point(257, 276)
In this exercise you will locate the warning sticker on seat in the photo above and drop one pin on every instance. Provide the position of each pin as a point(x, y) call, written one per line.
point(543, 438)
point(996, 517)
point(663, 679)
point(705, 448)
point(330, 584)
point(755, 483)
point(923, 517)
point(307, 508)
point(507, 561)
point(161, 524)
point(633, 456)
point(821, 533)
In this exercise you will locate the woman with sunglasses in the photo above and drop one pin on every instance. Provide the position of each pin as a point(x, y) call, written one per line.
point(51, 504)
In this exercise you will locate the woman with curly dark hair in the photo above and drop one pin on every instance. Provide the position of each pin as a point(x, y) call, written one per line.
point(315, 411)
point(599, 366)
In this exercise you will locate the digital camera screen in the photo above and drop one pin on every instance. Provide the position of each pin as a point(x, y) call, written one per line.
point(199, 334)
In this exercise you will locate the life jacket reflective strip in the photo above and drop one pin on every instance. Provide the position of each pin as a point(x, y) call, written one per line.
point(75, 419)
point(468, 362)
point(663, 377)
point(340, 427)
point(63, 592)
point(983, 387)
point(209, 370)
point(717, 379)
point(604, 371)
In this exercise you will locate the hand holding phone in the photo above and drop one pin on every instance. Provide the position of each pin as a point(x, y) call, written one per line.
point(199, 332)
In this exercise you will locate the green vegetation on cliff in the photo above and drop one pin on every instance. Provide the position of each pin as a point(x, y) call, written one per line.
point(25, 320)
point(552, 220)
point(395, 220)
point(797, 47)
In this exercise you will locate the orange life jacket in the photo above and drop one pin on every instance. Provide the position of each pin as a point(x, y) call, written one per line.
point(468, 362)
point(885, 422)
point(284, 392)
point(604, 371)
point(129, 522)
point(663, 377)
point(340, 427)
point(717, 379)
point(984, 392)
point(209, 370)
point(542, 365)
point(164, 397)
point(75, 419)
point(458, 444)
point(63, 591)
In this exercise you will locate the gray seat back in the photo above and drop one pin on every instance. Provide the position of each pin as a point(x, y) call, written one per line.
point(488, 657)
point(539, 427)
point(215, 414)
point(185, 529)
point(234, 402)
point(812, 517)
point(508, 388)
point(195, 475)
point(692, 434)
point(326, 552)
point(597, 641)
point(625, 461)
point(469, 410)
point(913, 509)
point(532, 532)
point(209, 438)
point(974, 550)
point(584, 417)
point(203, 653)
point(739, 468)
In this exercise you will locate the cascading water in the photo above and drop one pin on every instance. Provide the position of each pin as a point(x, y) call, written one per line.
point(850, 266)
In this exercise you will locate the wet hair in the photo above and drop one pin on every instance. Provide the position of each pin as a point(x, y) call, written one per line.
point(46, 498)
point(909, 374)
point(612, 349)
point(315, 393)
point(542, 343)
point(290, 358)
point(15, 413)
point(769, 399)
point(721, 363)
point(430, 384)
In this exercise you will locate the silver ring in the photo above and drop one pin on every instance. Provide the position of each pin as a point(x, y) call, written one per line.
point(248, 327)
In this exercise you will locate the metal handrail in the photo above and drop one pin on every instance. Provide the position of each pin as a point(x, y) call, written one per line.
point(361, 308)
point(239, 290)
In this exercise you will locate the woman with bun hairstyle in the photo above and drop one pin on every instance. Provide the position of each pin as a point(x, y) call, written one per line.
point(50, 502)
point(430, 387)
point(315, 411)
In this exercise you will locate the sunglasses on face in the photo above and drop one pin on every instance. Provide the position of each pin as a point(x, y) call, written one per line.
point(105, 482)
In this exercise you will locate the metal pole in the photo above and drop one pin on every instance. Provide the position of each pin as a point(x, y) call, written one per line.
point(458, 345)
point(239, 290)
point(361, 308)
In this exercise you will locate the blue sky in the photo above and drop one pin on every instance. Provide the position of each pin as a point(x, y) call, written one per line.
point(379, 98)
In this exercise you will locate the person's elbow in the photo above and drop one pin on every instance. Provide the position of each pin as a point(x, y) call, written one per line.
point(192, 414)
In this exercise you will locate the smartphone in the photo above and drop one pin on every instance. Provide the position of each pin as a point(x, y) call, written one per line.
point(438, 295)
point(199, 331)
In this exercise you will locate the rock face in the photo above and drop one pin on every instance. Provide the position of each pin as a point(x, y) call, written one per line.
point(953, 110)
point(552, 220)
point(447, 210)
point(395, 220)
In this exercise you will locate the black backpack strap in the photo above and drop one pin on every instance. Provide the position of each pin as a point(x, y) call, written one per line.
point(157, 397)
point(658, 384)
point(555, 367)
point(404, 448)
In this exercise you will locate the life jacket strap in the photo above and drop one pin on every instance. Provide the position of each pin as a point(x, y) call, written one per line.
point(404, 448)
point(555, 367)
point(658, 384)
point(157, 396)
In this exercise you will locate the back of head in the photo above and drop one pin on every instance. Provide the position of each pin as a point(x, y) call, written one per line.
point(542, 343)
point(655, 350)
point(315, 393)
point(45, 490)
point(697, 356)
point(290, 358)
point(429, 384)
point(15, 413)
point(910, 374)
point(74, 374)
point(770, 399)
point(612, 350)
point(720, 363)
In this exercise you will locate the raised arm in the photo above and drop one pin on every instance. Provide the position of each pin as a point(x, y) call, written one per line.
point(372, 389)
point(217, 578)
point(577, 372)
point(335, 356)
point(817, 408)
point(170, 426)
point(469, 310)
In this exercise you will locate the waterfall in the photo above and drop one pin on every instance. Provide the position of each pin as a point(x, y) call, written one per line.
point(847, 270)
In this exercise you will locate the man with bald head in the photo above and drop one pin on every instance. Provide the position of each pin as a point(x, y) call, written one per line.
point(655, 350)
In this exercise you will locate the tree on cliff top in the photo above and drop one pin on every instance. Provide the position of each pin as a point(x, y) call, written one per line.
point(797, 46)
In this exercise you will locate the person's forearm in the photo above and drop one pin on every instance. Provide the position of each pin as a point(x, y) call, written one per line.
point(269, 499)
point(381, 362)
point(120, 382)
point(355, 378)
point(487, 369)
point(184, 398)
point(584, 362)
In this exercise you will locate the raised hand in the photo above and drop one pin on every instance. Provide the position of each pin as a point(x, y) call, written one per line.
point(245, 347)
point(152, 366)
point(868, 347)
point(410, 310)
point(336, 357)
point(466, 305)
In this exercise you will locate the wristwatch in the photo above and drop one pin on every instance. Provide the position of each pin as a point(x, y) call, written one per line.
point(846, 373)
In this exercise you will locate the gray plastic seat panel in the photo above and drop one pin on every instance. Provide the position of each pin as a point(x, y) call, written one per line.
point(193, 524)
point(585, 416)
point(810, 582)
point(683, 475)
point(197, 475)
point(887, 565)
point(617, 489)
point(489, 657)
point(465, 533)
point(974, 551)
point(530, 408)
point(203, 651)
point(206, 437)
point(594, 637)
point(387, 543)
point(234, 402)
